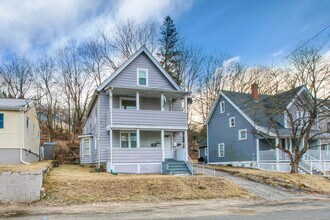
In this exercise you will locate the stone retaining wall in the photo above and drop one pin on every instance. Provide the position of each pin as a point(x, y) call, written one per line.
point(20, 186)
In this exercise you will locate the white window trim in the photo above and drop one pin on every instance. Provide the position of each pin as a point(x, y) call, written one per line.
point(239, 134)
point(129, 99)
point(129, 139)
point(205, 152)
point(222, 110)
point(230, 122)
point(223, 145)
point(199, 152)
point(137, 76)
point(84, 147)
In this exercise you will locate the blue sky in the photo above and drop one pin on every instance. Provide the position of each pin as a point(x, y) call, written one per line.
point(253, 31)
point(259, 31)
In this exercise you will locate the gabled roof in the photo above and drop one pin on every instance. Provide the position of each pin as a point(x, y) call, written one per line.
point(255, 112)
point(143, 49)
point(13, 104)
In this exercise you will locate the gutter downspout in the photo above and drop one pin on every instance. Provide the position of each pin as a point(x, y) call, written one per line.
point(21, 133)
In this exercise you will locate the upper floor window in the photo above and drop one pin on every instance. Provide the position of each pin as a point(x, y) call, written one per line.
point(1, 120)
point(232, 122)
point(242, 134)
point(127, 103)
point(221, 150)
point(328, 125)
point(27, 124)
point(301, 117)
point(142, 77)
point(95, 114)
point(128, 140)
point(222, 107)
point(87, 147)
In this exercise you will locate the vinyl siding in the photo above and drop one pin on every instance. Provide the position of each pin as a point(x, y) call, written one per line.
point(219, 132)
point(128, 77)
point(134, 155)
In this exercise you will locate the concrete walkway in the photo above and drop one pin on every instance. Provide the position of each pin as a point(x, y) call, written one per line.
point(259, 189)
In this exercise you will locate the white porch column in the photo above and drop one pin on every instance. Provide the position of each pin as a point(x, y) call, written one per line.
point(162, 136)
point(110, 105)
point(162, 102)
point(258, 150)
point(277, 154)
point(320, 147)
point(290, 145)
point(186, 104)
point(110, 134)
point(137, 100)
point(138, 138)
point(186, 143)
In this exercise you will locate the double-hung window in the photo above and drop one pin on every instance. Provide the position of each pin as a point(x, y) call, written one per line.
point(242, 134)
point(128, 140)
point(87, 147)
point(221, 150)
point(300, 118)
point(27, 124)
point(142, 77)
point(127, 103)
point(1, 120)
point(232, 122)
point(222, 107)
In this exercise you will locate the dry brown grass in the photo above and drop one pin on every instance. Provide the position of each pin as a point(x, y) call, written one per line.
point(304, 182)
point(72, 184)
point(40, 165)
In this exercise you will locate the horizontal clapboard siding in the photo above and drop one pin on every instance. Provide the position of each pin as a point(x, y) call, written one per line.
point(137, 155)
point(128, 76)
point(104, 137)
point(148, 118)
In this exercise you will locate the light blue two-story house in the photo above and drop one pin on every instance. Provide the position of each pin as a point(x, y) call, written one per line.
point(235, 122)
point(137, 120)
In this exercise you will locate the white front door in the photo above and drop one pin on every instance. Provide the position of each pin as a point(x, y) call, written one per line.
point(168, 146)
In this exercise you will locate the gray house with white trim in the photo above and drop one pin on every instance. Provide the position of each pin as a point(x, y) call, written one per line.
point(236, 121)
point(137, 120)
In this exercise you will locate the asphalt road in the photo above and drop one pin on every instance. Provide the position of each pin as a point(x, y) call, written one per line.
point(312, 208)
point(315, 214)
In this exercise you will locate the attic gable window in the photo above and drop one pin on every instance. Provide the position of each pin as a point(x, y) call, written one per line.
point(142, 77)
point(222, 107)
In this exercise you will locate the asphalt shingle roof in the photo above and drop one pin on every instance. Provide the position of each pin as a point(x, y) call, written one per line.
point(12, 104)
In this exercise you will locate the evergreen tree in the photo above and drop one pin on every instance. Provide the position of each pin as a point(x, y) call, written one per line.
point(169, 48)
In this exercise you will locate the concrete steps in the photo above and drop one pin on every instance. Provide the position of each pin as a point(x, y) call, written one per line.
point(173, 167)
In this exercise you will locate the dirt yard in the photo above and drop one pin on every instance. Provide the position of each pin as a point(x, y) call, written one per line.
point(295, 182)
point(72, 184)
point(40, 165)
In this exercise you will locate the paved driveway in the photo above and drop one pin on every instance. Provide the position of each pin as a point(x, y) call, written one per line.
point(259, 189)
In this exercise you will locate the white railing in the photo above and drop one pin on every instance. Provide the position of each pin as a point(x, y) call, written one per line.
point(189, 162)
point(319, 154)
point(280, 167)
point(204, 169)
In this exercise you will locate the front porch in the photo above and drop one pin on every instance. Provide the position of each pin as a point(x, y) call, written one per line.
point(315, 161)
point(145, 150)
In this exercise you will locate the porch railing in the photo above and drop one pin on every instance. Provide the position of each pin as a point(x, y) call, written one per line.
point(189, 162)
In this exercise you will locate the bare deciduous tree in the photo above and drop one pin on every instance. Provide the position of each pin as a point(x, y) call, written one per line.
point(311, 70)
point(17, 77)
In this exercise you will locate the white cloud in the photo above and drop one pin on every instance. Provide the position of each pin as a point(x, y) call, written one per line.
point(32, 27)
point(227, 63)
point(278, 53)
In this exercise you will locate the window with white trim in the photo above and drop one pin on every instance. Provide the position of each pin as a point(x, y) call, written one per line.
point(222, 107)
point(242, 134)
point(27, 124)
point(205, 152)
point(87, 147)
point(128, 139)
point(127, 103)
point(232, 122)
point(142, 77)
point(302, 117)
point(221, 150)
point(2, 118)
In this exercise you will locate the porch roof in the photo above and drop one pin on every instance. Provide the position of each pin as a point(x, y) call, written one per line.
point(149, 92)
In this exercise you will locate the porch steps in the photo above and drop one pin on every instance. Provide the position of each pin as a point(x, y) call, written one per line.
point(173, 167)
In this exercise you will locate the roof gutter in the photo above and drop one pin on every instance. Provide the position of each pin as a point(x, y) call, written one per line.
point(21, 141)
